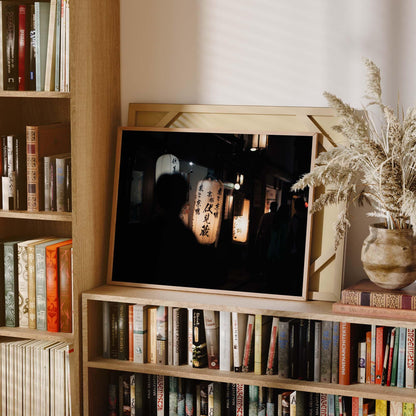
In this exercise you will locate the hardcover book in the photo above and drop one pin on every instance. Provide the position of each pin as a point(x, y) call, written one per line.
point(10, 45)
point(262, 329)
point(326, 352)
point(272, 353)
point(239, 325)
point(248, 350)
point(52, 286)
point(179, 334)
point(347, 352)
point(65, 287)
point(410, 359)
point(139, 333)
point(42, 140)
point(199, 345)
point(225, 341)
point(162, 335)
point(151, 334)
point(366, 293)
point(283, 348)
point(10, 284)
point(42, 11)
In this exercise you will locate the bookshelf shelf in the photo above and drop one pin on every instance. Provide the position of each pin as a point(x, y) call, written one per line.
point(39, 216)
point(35, 334)
point(34, 94)
point(273, 381)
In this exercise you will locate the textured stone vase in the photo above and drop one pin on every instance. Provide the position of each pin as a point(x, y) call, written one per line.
point(389, 257)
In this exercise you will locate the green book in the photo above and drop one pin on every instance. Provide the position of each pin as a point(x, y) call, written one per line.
point(10, 284)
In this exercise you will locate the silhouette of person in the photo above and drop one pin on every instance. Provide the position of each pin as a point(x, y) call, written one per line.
point(170, 248)
point(263, 231)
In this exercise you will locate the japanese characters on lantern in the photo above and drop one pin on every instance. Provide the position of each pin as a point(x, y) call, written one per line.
point(207, 210)
point(166, 163)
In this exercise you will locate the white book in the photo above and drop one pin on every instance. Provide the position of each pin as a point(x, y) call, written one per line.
point(5, 192)
point(1, 47)
point(239, 325)
point(190, 335)
point(410, 359)
point(139, 333)
point(362, 351)
point(225, 342)
point(50, 51)
point(170, 335)
point(42, 11)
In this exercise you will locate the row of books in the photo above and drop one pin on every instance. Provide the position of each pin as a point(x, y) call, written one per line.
point(35, 378)
point(136, 394)
point(35, 46)
point(36, 280)
point(36, 169)
point(306, 349)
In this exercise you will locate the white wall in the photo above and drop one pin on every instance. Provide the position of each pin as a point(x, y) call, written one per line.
point(268, 52)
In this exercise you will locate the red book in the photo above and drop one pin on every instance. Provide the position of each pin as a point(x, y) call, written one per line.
point(65, 287)
point(22, 48)
point(355, 406)
point(380, 347)
point(52, 286)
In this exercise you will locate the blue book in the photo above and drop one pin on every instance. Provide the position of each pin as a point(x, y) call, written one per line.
point(326, 352)
point(335, 353)
point(401, 359)
point(283, 348)
point(331, 405)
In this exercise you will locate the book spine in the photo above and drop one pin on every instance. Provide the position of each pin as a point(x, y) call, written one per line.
point(139, 333)
point(199, 346)
point(401, 359)
point(395, 357)
point(40, 288)
point(368, 357)
point(32, 169)
point(10, 285)
point(272, 355)
point(31, 283)
point(65, 288)
point(252, 324)
point(20, 168)
point(344, 353)
point(190, 335)
point(47, 183)
point(326, 351)
point(58, 45)
point(283, 349)
point(32, 62)
point(408, 409)
point(380, 346)
point(106, 329)
point(410, 359)
point(317, 352)
point(161, 335)
point(52, 290)
point(22, 48)
point(23, 286)
point(60, 185)
point(373, 354)
point(225, 341)
point(211, 334)
point(294, 348)
point(11, 172)
point(10, 46)
point(390, 359)
point(362, 350)
point(151, 335)
point(123, 343)
point(335, 353)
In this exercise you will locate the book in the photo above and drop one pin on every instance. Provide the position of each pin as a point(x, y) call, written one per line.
point(179, 335)
point(106, 328)
point(401, 359)
point(347, 352)
point(211, 319)
point(373, 354)
point(2, 290)
point(65, 287)
point(410, 359)
point(58, 45)
point(32, 48)
point(22, 47)
point(362, 353)
point(253, 400)
point(381, 334)
point(199, 345)
point(55, 176)
point(335, 353)
point(368, 357)
point(367, 293)
point(23, 285)
point(63, 182)
point(10, 45)
point(390, 358)
point(395, 357)
point(51, 49)
point(239, 325)
point(151, 334)
point(139, 333)
point(317, 351)
point(283, 348)
point(326, 351)
point(123, 334)
point(42, 12)
point(2, 69)
point(161, 335)
point(396, 408)
point(272, 352)
point(381, 407)
point(386, 358)
point(248, 349)
point(262, 329)
point(42, 140)
point(10, 284)
point(52, 286)
point(40, 282)
point(408, 409)
point(294, 348)
point(373, 311)
point(225, 341)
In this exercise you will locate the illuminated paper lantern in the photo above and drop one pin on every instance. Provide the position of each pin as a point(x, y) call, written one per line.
point(206, 216)
point(166, 163)
point(240, 223)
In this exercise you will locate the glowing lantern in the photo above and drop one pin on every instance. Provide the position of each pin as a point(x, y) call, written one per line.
point(166, 163)
point(240, 223)
point(206, 219)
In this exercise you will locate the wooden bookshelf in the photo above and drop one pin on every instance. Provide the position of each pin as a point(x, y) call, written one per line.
point(92, 107)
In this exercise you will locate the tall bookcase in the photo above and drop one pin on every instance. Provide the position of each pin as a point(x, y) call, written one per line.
point(93, 109)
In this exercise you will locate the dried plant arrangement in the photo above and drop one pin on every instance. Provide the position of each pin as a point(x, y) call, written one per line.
point(377, 163)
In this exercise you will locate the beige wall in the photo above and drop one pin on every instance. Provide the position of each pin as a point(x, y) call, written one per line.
point(267, 52)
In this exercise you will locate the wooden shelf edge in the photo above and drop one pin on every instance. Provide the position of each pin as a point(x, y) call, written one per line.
point(212, 300)
point(34, 94)
point(370, 391)
point(41, 215)
point(35, 334)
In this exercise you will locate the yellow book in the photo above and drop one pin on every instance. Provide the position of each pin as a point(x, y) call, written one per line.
point(381, 407)
point(408, 409)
